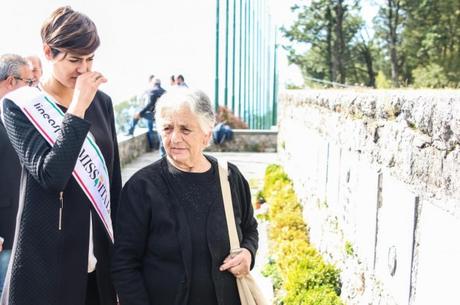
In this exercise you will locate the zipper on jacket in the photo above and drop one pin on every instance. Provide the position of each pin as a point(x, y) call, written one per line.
point(61, 207)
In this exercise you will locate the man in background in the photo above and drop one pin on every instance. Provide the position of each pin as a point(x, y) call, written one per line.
point(148, 111)
point(36, 66)
point(15, 72)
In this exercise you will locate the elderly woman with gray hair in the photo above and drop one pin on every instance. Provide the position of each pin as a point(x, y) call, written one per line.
point(171, 239)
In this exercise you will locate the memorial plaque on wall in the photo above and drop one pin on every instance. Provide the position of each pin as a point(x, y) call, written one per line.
point(438, 258)
point(395, 238)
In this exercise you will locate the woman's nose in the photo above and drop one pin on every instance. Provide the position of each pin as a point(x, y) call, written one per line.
point(83, 67)
point(175, 136)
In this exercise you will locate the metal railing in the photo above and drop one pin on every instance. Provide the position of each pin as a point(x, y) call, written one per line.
point(249, 68)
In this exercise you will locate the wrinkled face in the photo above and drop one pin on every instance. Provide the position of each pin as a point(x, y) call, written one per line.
point(25, 77)
point(36, 69)
point(21, 78)
point(68, 66)
point(182, 136)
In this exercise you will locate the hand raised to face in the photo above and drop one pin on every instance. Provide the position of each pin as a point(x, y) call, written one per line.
point(85, 89)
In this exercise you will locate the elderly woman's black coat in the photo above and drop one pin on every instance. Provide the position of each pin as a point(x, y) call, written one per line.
point(49, 266)
point(151, 224)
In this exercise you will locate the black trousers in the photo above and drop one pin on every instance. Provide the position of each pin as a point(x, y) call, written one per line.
point(92, 292)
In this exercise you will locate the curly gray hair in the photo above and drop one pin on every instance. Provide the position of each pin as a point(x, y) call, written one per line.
point(197, 101)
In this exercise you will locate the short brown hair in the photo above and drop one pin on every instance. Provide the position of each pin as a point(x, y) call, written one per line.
point(69, 31)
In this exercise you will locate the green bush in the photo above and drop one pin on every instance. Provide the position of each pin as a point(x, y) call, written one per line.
point(299, 273)
point(283, 227)
point(282, 200)
point(349, 248)
point(271, 270)
point(311, 272)
point(431, 76)
point(274, 175)
point(381, 82)
point(317, 296)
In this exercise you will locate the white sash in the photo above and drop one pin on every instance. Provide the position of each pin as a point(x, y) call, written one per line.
point(90, 171)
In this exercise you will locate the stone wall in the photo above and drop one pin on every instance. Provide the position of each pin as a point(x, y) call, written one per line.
point(378, 174)
point(132, 147)
point(243, 141)
point(246, 140)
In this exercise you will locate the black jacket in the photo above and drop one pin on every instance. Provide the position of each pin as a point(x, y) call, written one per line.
point(49, 266)
point(9, 188)
point(153, 96)
point(151, 225)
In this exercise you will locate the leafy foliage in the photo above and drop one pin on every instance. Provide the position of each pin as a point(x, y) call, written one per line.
point(124, 112)
point(325, 42)
point(431, 76)
point(226, 115)
point(381, 81)
point(299, 273)
point(413, 42)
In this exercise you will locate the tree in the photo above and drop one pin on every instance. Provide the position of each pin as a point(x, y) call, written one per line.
point(326, 30)
point(389, 25)
point(365, 51)
point(432, 40)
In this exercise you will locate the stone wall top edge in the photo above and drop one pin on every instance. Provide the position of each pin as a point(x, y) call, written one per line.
point(373, 91)
point(370, 95)
point(433, 112)
point(255, 131)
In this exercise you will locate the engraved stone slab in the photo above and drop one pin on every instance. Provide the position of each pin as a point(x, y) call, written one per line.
point(366, 212)
point(395, 238)
point(439, 253)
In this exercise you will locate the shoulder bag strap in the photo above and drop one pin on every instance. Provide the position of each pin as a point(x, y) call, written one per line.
point(227, 197)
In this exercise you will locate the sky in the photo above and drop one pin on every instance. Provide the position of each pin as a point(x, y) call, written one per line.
point(138, 38)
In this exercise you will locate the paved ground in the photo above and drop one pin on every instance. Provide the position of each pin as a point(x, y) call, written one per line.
point(252, 165)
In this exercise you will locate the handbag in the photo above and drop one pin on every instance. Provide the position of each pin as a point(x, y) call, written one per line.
point(249, 291)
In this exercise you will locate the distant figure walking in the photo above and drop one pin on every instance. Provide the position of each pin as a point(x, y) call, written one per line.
point(148, 111)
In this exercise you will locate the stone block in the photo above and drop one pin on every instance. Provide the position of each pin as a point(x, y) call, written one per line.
point(348, 185)
point(395, 238)
point(322, 149)
point(438, 263)
point(366, 213)
point(333, 176)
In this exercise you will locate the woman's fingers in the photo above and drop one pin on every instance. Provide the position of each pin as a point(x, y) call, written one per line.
point(237, 263)
point(239, 271)
point(86, 87)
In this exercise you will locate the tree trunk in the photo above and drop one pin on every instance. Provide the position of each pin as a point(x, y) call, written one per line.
point(393, 23)
point(330, 56)
point(340, 40)
point(367, 55)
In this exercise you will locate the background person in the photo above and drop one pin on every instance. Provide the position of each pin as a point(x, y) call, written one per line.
point(37, 70)
point(172, 243)
point(61, 251)
point(148, 111)
point(180, 81)
point(14, 73)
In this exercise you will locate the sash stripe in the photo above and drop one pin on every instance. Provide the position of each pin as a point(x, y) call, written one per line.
point(91, 198)
point(43, 132)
